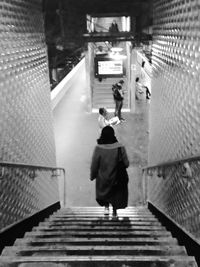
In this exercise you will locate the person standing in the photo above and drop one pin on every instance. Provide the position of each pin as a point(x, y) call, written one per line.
point(118, 95)
point(113, 27)
point(104, 169)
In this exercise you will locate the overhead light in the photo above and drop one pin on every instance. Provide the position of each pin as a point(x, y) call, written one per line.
point(116, 49)
point(116, 56)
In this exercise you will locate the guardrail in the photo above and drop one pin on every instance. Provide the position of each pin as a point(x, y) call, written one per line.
point(55, 172)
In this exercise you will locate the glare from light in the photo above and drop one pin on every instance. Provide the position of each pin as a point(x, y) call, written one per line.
point(116, 49)
point(116, 56)
point(126, 22)
point(123, 24)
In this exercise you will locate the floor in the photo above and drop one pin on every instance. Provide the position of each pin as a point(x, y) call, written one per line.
point(76, 131)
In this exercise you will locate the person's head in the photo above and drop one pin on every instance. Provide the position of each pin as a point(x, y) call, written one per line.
point(100, 48)
point(137, 79)
point(121, 82)
point(107, 136)
point(118, 86)
point(102, 111)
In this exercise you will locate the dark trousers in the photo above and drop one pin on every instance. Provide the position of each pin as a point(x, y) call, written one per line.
point(118, 107)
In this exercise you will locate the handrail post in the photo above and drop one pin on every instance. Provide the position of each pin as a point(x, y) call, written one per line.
point(144, 186)
point(64, 188)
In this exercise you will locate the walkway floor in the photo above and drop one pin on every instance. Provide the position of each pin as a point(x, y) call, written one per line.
point(76, 131)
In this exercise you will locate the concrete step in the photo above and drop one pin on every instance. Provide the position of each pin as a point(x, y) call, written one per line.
point(98, 228)
point(100, 218)
point(133, 241)
point(84, 237)
point(96, 208)
point(100, 212)
point(108, 103)
point(100, 223)
point(93, 250)
point(100, 209)
point(133, 210)
point(99, 261)
point(90, 233)
point(130, 216)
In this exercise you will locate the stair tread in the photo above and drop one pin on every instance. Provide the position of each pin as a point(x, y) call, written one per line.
point(100, 215)
point(97, 227)
point(100, 223)
point(98, 247)
point(100, 258)
point(64, 210)
point(94, 250)
point(100, 218)
point(112, 233)
point(90, 249)
point(98, 239)
point(83, 236)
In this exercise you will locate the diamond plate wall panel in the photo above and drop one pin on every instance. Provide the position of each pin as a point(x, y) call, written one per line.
point(175, 109)
point(178, 197)
point(175, 113)
point(26, 128)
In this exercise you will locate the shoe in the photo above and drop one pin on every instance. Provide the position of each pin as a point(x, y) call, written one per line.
point(106, 211)
point(122, 119)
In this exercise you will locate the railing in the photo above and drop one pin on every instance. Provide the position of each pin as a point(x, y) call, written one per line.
point(183, 164)
point(55, 172)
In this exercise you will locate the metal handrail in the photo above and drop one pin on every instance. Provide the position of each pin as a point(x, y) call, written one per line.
point(24, 165)
point(175, 162)
point(37, 167)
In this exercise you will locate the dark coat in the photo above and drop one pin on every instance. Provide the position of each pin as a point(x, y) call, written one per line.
point(103, 169)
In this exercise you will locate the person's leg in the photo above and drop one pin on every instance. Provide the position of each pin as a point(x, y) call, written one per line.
point(117, 108)
point(114, 212)
point(115, 114)
point(106, 210)
point(120, 107)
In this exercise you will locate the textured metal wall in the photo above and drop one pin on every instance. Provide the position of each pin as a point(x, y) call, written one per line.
point(26, 131)
point(175, 102)
point(175, 112)
point(178, 197)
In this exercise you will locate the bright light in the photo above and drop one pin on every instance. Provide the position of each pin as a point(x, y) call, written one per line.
point(116, 56)
point(126, 22)
point(116, 49)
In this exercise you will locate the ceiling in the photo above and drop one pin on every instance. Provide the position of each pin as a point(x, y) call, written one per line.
point(65, 20)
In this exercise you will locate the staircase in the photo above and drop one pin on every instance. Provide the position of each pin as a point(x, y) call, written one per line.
point(102, 94)
point(83, 237)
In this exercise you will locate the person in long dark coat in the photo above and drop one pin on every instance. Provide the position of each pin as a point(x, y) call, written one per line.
point(104, 169)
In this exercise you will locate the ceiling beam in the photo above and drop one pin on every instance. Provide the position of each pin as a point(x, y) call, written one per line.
point(119, 36)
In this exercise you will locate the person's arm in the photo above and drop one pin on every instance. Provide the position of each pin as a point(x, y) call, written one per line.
point(103, 122)
point(94, 164)
point(121, 92)
point(124, 157)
